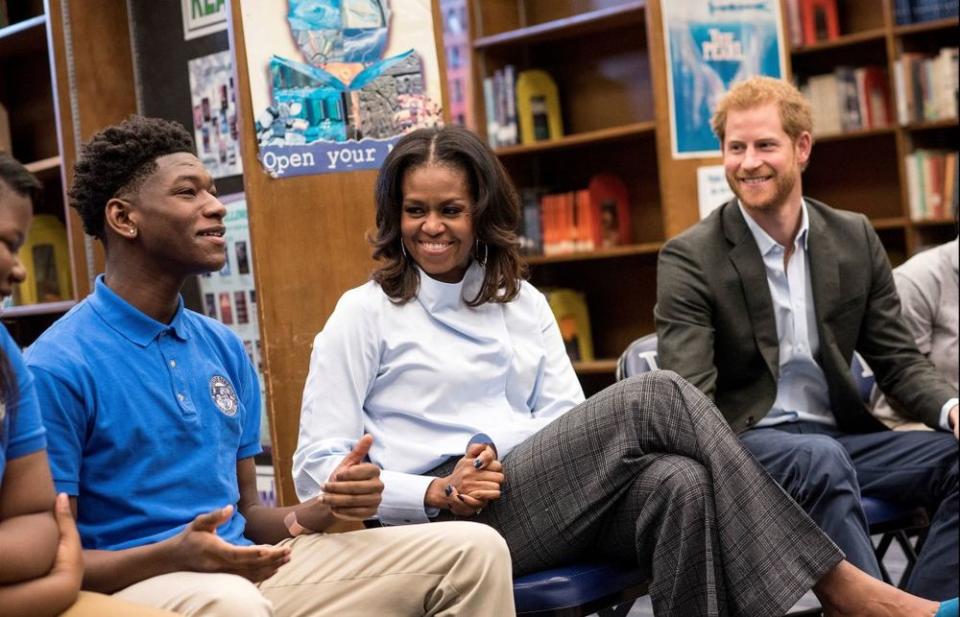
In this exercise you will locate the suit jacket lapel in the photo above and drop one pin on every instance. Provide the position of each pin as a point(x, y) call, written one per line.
point(753, 279)
point(824, 270)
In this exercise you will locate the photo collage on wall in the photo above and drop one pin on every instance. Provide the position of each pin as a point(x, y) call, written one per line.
point(230, 296)
point(213, 96)
point(335, 83)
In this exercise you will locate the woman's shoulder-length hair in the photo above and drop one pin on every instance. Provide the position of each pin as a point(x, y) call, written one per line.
point(495, 213)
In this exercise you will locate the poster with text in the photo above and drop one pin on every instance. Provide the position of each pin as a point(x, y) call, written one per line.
point(214, 102)
point(335, 83)
point(712, 44)
point(230, 297)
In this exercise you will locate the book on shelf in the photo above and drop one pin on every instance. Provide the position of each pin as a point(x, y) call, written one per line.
point(820, 20)
point(918, 11)
point(609, 198)
point(849, 99)
point(926, 85)
point(531, 229)
point(570, 310)
point(931, 183)
point(538, 107)
point(499, 103)
point(583, 220)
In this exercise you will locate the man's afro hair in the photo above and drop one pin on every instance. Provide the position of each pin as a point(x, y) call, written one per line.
point(118, 158)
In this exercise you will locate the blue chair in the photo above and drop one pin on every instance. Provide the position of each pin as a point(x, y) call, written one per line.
point(578, 590)
point(892, 522)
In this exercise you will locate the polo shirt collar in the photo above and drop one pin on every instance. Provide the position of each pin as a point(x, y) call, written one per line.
point(764, 242)
point(129, 321)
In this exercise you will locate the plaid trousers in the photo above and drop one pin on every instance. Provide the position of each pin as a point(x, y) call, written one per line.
point(648, 471)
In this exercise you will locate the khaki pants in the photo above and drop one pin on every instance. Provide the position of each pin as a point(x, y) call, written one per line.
point(98, 605)
point(441, 569)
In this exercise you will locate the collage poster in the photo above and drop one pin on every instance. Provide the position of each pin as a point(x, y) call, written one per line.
point(335, 83)
point(230, 297)
point(712, 44)
point(214, 101)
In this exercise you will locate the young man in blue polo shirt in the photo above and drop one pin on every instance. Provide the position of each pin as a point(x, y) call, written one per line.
point(153, 417)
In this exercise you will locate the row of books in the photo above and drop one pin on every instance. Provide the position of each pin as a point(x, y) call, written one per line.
point(926, 85)
point(556, 223)
point(932, 184)
point(849, 99)
point(500, 106)
point(521, 107)
point(916, 11)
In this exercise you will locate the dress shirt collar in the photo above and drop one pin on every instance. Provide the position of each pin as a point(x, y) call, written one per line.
point(764, 242)
point(436, 295)
point(129, 321)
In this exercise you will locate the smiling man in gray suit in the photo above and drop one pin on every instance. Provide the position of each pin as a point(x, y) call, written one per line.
point(762, 304)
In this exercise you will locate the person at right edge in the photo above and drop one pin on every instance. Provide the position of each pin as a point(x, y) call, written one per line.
point(761, 306)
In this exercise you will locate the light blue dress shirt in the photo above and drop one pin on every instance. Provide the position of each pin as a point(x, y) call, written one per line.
point(423, 378)
point(802, 391)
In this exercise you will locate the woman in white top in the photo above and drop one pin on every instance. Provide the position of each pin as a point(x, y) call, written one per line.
point(456, 366)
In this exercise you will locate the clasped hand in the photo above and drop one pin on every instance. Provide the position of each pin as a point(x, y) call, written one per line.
point(474, 483)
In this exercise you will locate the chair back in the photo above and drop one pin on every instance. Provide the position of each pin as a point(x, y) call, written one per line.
point(640, 357)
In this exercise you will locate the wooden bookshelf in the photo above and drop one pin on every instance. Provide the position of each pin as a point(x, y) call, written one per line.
point(572, 26)
point(35, 89)
point(936, 25)
point(843, 43)
point(647, 248)
point(23, 37)
point(633, 129)
point(864, 170)
point(893, 222)
point(931, 125)
point(857, 134)
point(42, 308)
point(608, 99)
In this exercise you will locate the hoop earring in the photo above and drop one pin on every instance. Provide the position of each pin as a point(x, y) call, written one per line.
point(486, 253)
point(403, 250)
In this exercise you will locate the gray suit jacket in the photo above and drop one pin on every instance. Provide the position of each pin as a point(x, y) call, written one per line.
point(716, 326)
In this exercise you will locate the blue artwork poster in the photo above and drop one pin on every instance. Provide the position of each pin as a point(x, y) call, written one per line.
point(711, 44)
point(335, 83)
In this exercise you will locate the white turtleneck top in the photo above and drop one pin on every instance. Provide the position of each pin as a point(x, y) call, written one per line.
point(424, 378)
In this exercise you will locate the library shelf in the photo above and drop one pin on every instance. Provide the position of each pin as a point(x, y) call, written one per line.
point(929, 125)
point(627, 250)
point(853, 39)
point(42, 308)
point(578, 139)
point(44, 166)
point(23, 36)
point(602, 366)
point(944, 222)
point(926, 26)
point(576, 25)
point(892, 222)
point(857, 134)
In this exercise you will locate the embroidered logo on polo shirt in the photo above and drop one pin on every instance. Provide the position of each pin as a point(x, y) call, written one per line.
point(223, 395)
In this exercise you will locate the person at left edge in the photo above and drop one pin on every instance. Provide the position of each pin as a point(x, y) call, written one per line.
point(41, 563)
point(153, 413)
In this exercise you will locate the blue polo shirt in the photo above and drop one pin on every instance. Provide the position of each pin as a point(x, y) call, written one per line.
point(146, 420)
point(22, 431)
